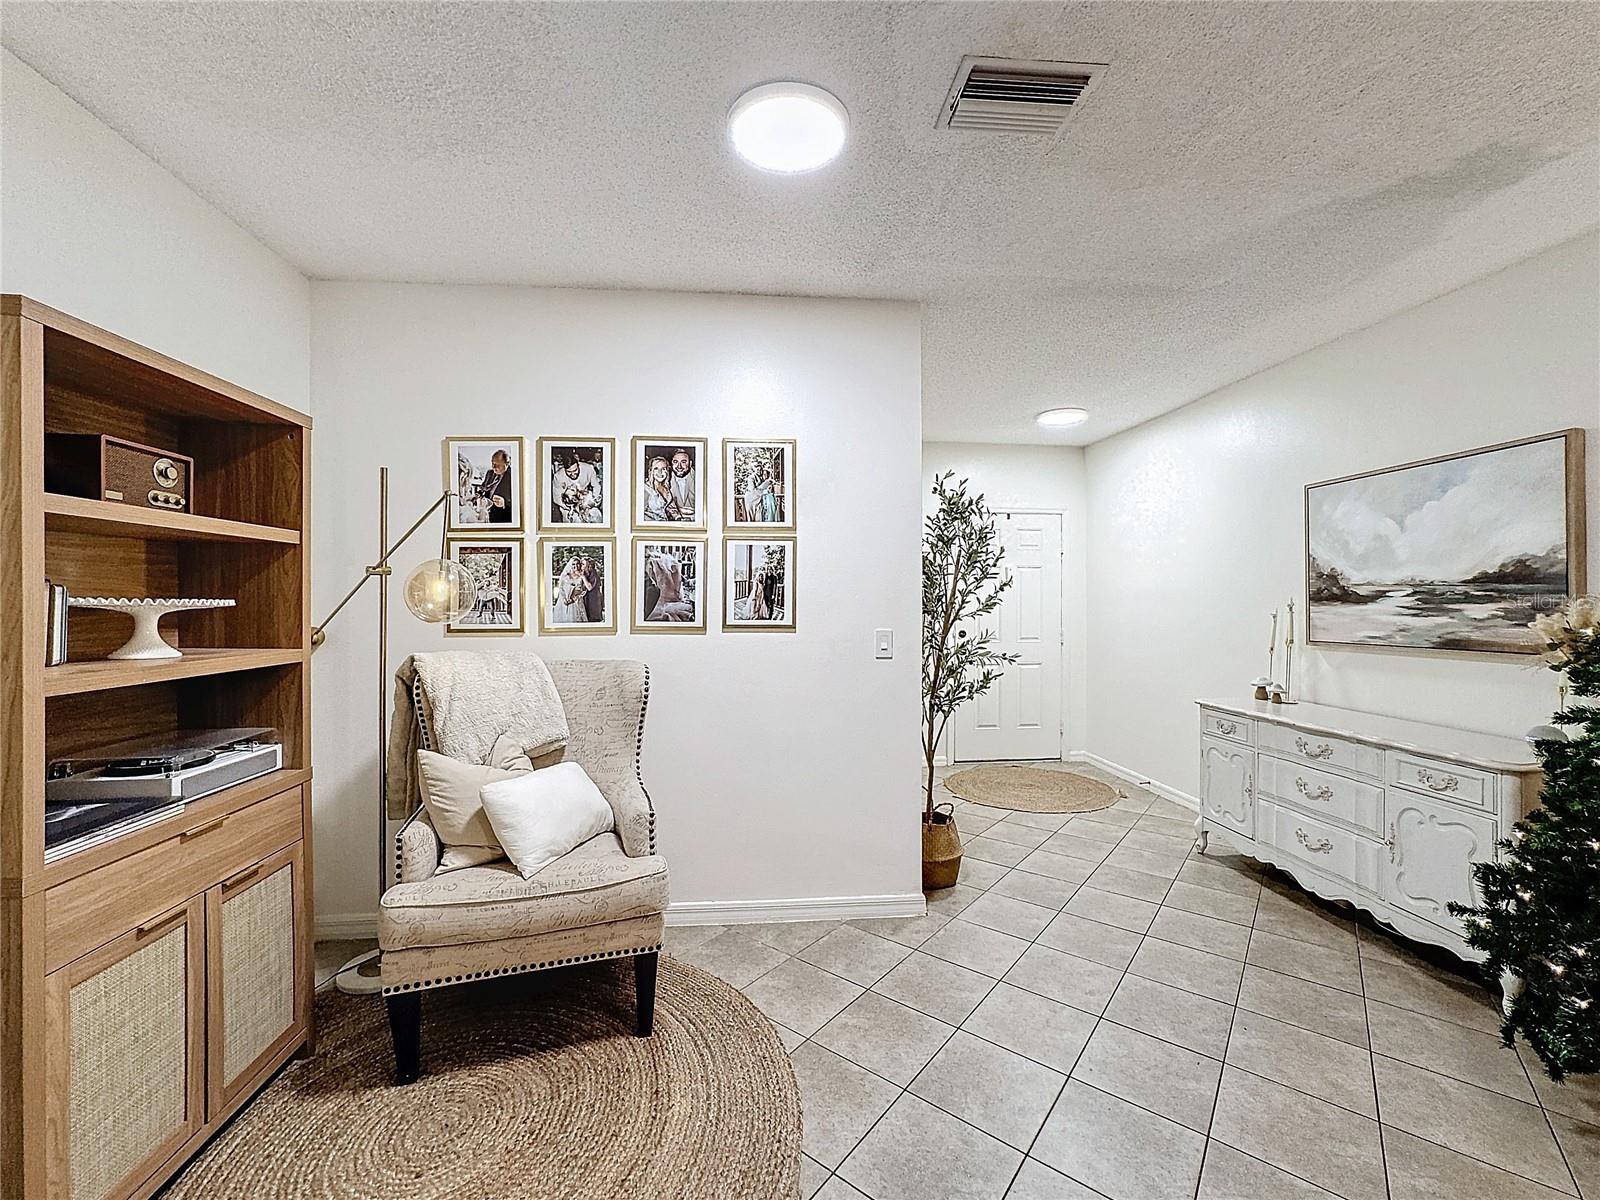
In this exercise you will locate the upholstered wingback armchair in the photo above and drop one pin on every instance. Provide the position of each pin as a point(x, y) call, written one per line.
point(605, 899)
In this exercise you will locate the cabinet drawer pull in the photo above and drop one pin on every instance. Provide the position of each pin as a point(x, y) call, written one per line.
point(242, 878)
point(187, 834)
point(160, 923)
point(1322, 793)
point(1438, 783)
point(1227, 728)
point(1391, 841)
point(1320, 846)
point(1306, 748)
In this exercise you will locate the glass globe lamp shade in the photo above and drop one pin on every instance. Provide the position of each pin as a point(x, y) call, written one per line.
point(439, 590)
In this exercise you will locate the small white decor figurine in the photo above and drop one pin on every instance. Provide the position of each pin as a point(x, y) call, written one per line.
point(146, 641)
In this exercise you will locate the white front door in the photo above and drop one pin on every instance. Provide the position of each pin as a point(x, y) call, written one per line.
point(1020, 716)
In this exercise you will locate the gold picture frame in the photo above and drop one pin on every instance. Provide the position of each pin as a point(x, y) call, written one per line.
point(555, 550)
point(641, 448)
point(735, 502)
point(607, 483)
point(515, 587)
point(785, 596)
point(637, 593)
point(479, 452)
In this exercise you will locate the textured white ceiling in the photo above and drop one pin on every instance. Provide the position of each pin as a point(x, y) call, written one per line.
point(1250, 179)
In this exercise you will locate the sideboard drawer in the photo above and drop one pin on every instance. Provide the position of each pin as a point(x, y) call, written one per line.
point(1322, 793)
point(1322, 750)
point(1326, 847)
point(1226, 725)
point(164, 875)
point(1459, 785)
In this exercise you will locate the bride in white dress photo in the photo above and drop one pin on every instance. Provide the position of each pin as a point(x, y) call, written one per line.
point(572, 586)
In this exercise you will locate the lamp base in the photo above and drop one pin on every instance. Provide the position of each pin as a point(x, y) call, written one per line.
point(360, 976)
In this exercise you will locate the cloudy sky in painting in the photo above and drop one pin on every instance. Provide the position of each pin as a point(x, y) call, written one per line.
point(1446, 521)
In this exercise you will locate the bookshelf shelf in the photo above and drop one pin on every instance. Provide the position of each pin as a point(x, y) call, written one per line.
point(74, 514)
point(104, 675)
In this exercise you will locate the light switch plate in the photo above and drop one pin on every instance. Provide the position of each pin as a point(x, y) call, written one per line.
point(884, 640)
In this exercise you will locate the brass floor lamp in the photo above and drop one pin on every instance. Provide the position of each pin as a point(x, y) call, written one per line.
point(437, 590)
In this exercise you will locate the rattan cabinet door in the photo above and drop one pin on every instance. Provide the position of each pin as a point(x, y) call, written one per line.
point(124, 1027)
point(256, 1003)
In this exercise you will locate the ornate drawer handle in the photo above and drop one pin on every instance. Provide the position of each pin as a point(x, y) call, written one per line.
point(1322, 751)
point(1438, 783)
point(1227, 728)
point(1321, 846)
point(1391, 841)
point(1322, 793)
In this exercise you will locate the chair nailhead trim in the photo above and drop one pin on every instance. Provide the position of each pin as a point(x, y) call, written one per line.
point(448, 980)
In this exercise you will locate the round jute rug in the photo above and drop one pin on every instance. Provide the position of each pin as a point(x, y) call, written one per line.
point(1029, 789)
point(533, 1087)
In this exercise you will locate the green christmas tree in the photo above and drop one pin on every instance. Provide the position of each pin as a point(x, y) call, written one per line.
point(1540, 916)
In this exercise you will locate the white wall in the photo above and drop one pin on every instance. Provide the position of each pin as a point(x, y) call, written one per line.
point(1050, 477)
point(783, 766)
point(1196, 524)
point(91, 226)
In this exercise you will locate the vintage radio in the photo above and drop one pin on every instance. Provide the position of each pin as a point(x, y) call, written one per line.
point(103, 467)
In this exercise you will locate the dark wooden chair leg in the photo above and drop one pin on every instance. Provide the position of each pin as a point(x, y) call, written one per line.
point(405, 1027)
point(644, 991)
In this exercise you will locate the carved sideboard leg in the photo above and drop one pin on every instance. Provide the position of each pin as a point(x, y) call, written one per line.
point(1510, 989)
point(1201, 838)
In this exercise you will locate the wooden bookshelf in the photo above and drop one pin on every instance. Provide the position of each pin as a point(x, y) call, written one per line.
point(245, 850)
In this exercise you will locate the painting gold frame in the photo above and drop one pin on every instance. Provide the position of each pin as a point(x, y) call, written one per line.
point(613, 576)
point(636, 585)
point(788, 624)
point(452, 544)
point(702, 521)
point(789, 525)
point(1576, 538)
point(447, 459)
point(608, 485)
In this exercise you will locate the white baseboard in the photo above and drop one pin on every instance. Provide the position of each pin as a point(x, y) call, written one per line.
point(345, 926)
point(819, 908)
point(1166, 792)
point(349, 926)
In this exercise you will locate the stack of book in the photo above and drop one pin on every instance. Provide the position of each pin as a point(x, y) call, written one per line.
point(70, 828)
point(55, 608)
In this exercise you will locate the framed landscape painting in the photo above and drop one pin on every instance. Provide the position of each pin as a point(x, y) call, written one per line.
point(1454, 553)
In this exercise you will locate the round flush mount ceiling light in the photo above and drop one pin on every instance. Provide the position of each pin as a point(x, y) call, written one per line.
point(787, 128)
point(1062, 418)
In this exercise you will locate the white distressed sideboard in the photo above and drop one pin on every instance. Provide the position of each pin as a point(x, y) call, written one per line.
point(1386, 813)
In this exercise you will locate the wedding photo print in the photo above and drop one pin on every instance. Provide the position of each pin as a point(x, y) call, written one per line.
point(497, 601)
point(576, 483)
point(484, 479)
point(577, 586)
point(667, 582)
point(669, 482)
point(758, 584)
point(758, 483)
point(1457, 553)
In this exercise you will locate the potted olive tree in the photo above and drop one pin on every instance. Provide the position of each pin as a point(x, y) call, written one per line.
point(961, 555)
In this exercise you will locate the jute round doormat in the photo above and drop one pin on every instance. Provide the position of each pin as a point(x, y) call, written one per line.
point(1029, 789)
point(533, 1087)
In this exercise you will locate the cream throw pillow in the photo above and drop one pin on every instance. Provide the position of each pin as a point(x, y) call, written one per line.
point(541, 815)
point(450, 793)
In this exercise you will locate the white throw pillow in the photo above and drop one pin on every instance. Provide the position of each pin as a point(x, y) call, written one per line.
point(450, 794)
point(541, 815)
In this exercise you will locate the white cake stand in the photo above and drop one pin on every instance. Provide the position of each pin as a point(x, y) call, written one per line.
point(146, 641)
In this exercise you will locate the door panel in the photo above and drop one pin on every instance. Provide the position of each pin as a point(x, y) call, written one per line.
point(1432, 847)
point(1226, 786)
point(1020, 717)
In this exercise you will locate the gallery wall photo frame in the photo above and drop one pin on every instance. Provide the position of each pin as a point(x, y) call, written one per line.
point(671, 587)
point(499, 575)
point(577, 480)
point(759, 593)
point(671, 484)
point(759, 484)
point(487, 481)
point(1454, 554)
point(577, 584)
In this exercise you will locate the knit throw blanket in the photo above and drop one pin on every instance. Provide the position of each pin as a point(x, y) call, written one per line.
point(469, 700)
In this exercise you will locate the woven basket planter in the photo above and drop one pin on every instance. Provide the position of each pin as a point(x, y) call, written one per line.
point(941, 849)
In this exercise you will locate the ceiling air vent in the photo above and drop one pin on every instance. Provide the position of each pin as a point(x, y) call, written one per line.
point(1014, 95)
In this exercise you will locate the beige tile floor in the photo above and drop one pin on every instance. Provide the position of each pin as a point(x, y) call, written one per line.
point(1094, 1010)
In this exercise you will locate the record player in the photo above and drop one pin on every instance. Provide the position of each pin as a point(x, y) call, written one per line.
point(174, 767)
